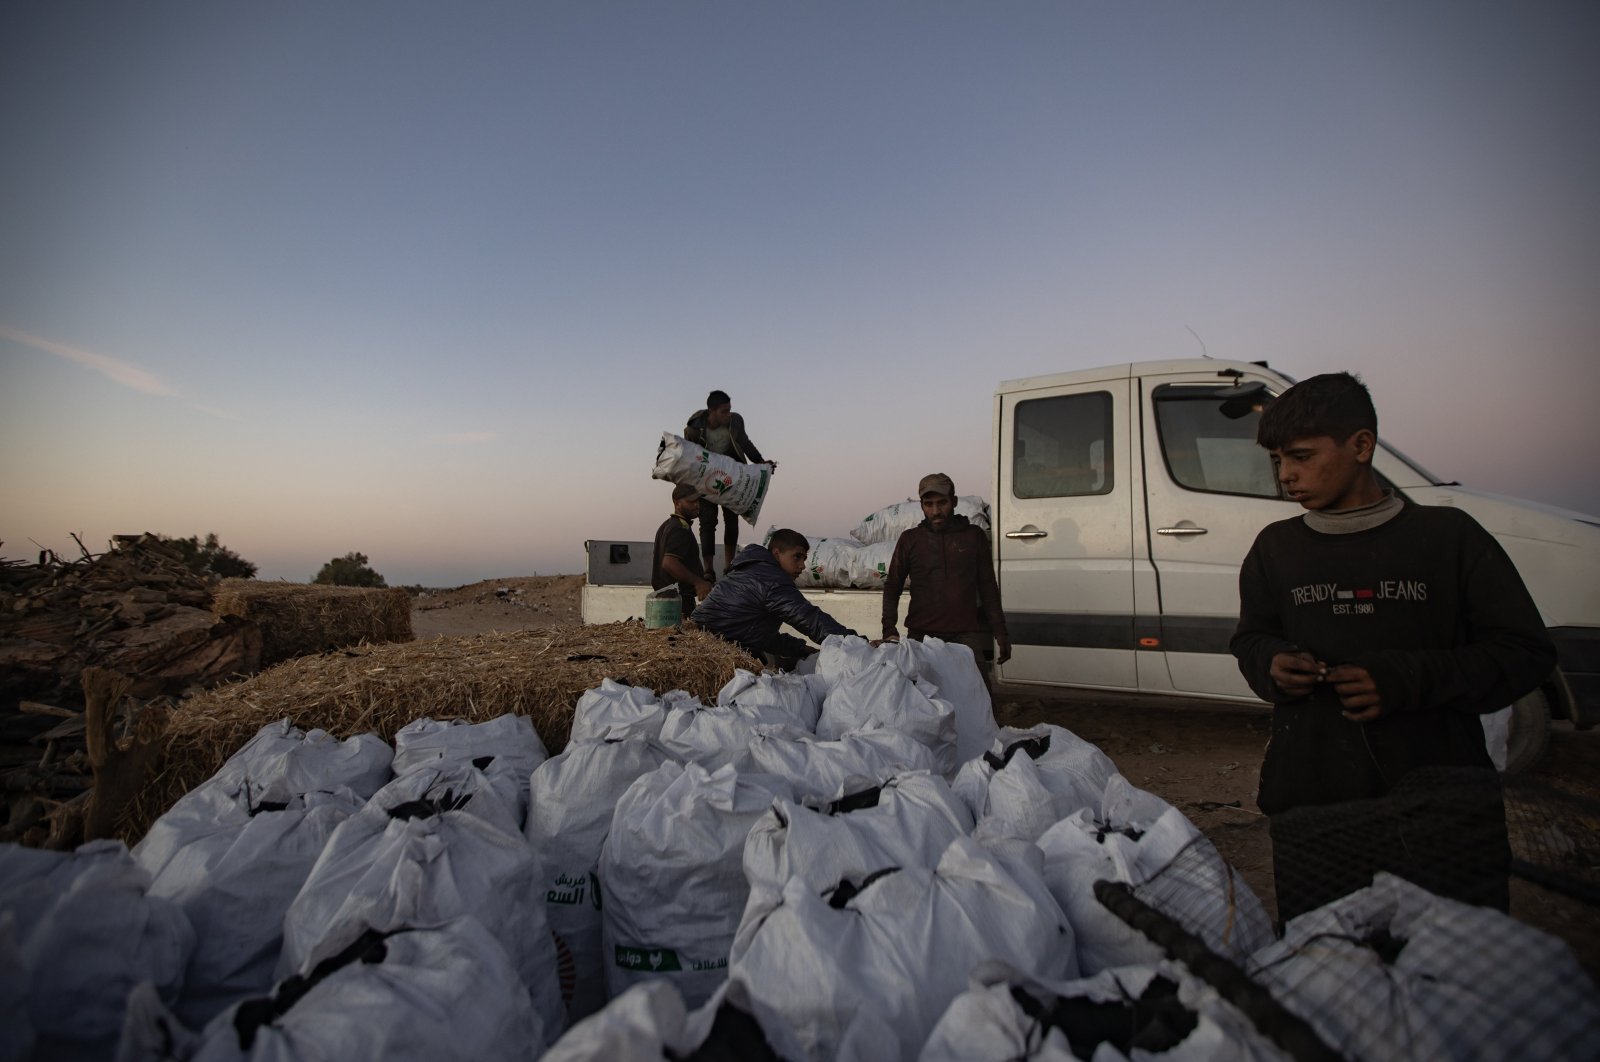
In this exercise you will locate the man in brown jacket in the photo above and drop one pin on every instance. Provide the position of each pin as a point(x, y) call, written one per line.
point(954, 596)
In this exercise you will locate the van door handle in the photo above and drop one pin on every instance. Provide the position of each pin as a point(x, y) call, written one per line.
point(1190, 530)
point(1026, 534)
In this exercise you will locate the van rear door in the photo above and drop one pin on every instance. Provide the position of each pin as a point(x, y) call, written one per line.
point(1210, 489)
point(1063, 532)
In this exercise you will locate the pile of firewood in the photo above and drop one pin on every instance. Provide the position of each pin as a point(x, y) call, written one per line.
point(137, 611)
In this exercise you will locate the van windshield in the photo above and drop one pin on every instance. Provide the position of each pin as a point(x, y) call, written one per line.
point(1418, 469)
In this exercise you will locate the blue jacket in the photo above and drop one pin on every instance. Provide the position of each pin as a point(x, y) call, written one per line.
point(756, 597)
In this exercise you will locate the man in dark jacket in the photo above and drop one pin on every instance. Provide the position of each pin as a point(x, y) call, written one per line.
point(757, 595)
point(719, 429)
point(954, 596)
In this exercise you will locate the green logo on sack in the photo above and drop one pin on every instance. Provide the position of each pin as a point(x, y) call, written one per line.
point(647, 959)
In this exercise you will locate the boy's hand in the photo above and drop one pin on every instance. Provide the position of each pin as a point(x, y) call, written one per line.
point(1357, 692)
point(1003, 646)
point(1297, 673)
point(702, 587)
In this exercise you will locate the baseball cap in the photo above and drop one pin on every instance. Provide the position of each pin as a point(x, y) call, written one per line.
point(937, 483)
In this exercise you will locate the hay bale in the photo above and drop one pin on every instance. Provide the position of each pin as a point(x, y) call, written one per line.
point(298, 619)
point(380, 688)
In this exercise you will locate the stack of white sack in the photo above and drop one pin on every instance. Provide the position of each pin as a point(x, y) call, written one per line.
point(614, 710)
point(234, 851)
point(78, 930)
point(716, 735)
point(440, 992)
point(894, 947)
point(738, 487)
point(1132, 1012)
point(843, 563)
point(799, 697)
point(882, 697)
point(672, 873)
point(506, 749)
point(1029, 780)
point(818, 769)
point(572, 798)
point(888, 523)
point(909, 820)
point(435, 844)
point(1138, 839)
point(1394, 971)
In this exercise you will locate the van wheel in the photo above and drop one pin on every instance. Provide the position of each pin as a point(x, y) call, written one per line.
point(1530, 732)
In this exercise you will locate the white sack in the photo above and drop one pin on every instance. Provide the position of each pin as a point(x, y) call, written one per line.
point(842, 655)
point(880, 697)
point(989, 1023)
point(818, 769)
point(1133, 838)
point(507, 745)
point(428, 994)
point(812, 965)
point(86, 931)
point(909, 821)
point(797, 696)
point(573, 796)
point(952, 668)
point(614, 710)
point(1031, 779)
point(1497, 735)
point(1440, 979)
point(401, 864)
point(233, 872)
point(717, 735)
point(16, 1027)
point(738, 487)
point(672, 873)
point(888, 523)
point(283, 761)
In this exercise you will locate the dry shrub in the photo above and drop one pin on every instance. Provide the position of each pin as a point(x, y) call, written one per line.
point(297, 619)
point(380, 688)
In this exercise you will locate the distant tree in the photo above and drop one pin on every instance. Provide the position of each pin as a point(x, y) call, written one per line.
point(211, 556)
point(349, 570)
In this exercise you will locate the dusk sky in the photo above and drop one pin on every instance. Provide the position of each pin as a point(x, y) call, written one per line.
point(429, 280)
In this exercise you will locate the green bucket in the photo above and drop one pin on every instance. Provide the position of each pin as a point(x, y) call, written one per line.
point(663, 610)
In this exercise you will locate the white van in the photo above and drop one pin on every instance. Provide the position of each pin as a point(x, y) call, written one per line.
point(1126, 498)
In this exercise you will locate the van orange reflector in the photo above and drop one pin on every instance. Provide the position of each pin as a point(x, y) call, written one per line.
point(1149, 643)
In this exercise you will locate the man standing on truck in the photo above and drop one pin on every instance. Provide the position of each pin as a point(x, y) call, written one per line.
point(1380, 631)
point(756, 596)
point(954, 595)
point(675, 559)
point(719, 429)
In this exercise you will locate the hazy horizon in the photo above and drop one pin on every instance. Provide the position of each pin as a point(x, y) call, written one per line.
point(428, 283)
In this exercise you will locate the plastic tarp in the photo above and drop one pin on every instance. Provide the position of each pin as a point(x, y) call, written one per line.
point(672, 870)
point(908, 821)
point(820, 769)
point(615, 710)
point(888, 523)
point(573, 796)
point(234, 871)
point(881, 697)
point(420, 853)
point(1394, 971)
point(86, 931)
point(426, 994)
point(1134, 838)
point(797, 696)
point(1132, 1012)
point(1031, 779)
point(895, 947)
point(738, 487)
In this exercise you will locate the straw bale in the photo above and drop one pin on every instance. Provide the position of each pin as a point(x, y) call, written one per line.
point(380, 688)
point(298, 619)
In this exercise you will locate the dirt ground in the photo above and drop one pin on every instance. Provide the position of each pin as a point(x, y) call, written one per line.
point(1202, 758)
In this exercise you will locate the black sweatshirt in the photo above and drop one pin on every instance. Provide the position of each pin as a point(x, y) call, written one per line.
point(953, 589)
point(1429, 604)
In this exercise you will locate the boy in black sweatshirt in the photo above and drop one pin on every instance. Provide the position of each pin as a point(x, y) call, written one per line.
point(1380, 630)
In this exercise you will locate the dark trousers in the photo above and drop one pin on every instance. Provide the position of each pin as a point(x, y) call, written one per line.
point(708, 529)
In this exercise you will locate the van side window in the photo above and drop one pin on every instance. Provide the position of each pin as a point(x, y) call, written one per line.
point(1209, 441)
point(1062, 446)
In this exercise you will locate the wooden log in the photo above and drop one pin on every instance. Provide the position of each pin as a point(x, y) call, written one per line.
point(119, 773)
